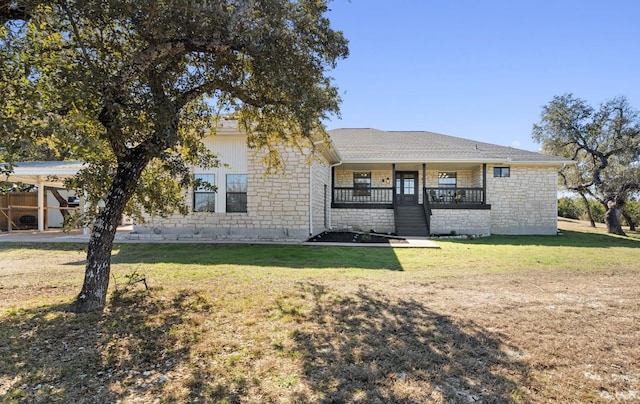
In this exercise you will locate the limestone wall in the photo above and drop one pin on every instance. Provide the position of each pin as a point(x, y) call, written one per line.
point(321, 196)
point(461, 221)
point(379, 220)
point(526, 202)
point(277, 204)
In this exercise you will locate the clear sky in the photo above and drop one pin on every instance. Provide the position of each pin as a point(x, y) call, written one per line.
point(481, 69)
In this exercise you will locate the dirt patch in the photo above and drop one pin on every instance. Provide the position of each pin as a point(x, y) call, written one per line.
point(354, 237)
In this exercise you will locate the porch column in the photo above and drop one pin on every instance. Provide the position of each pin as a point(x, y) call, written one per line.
point(484, 183)
point(393, 183)
point(333, 182)
point(41, 202)
point(424, 176)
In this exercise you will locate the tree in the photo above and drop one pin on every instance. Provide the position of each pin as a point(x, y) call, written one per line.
point(146, 79)
point(604, 143)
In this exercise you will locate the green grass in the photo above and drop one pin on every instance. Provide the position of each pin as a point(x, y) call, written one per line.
point(503, 318)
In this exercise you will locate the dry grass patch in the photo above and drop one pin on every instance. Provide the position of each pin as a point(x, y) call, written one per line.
point(504, 319)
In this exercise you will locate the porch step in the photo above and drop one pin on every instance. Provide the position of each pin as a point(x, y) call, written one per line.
point(411, 221)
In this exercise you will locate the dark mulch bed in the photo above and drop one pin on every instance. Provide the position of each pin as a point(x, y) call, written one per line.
point(353, 237)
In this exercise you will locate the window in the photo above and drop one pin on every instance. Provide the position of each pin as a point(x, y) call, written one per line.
point(236, 192)
point(501, 171)
point(447, 179)
point(362, 184)
point(204, 197)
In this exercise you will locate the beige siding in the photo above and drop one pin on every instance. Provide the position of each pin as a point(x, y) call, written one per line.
point(231, 150)
point(232, 153)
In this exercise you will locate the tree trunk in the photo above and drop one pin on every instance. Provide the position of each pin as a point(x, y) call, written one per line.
point(93, 296)
point(588, 208)
point(629, 219)
point(612, 219)
point(61, 202)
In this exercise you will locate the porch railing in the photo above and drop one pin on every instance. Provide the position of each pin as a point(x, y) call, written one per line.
point(427, 209)
point(384, 196)
point(452, 196)
point(363, 196)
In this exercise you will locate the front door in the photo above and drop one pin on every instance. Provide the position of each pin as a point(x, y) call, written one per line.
point(406, 187)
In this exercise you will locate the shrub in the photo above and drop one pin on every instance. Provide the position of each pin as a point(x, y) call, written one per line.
point(568, 207)
point(597, 210)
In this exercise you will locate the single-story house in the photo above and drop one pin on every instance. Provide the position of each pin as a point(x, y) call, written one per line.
point(404, 183)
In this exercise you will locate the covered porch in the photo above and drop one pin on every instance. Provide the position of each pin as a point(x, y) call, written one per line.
point(421, 199)
point(384, 186)
point(42, 174)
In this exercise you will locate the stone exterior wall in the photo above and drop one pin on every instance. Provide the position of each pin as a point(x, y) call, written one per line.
point(461, 221)
point(296, 203)
point(526, 202)
point(523, 203)
point(278, 205)
point(344, 178)
point(379, 220)
point(464, 178)
point(321, 196)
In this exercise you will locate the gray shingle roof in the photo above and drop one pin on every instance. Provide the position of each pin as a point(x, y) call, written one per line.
point(373, 145)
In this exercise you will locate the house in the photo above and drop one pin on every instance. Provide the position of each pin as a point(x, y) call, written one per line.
point(405, 183)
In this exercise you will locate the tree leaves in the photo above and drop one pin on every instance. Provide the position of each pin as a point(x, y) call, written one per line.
point(604, 142)
point(133, 86)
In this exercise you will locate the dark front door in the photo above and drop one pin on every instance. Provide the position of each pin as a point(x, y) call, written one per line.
point(406, 187)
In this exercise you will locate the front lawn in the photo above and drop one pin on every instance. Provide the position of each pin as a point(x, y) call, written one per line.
point(497, 319)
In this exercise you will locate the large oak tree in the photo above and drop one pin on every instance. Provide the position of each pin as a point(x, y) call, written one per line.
point(146, 80)
point(604, 142)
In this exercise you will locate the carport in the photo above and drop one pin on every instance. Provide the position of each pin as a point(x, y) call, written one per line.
point(44, 174)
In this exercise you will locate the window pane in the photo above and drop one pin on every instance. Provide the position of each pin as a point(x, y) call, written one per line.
point(362, 183)
point(209, 178)
point(236, 183)
point(236, 202)
point(501, 171)
point(204, 202)
point(447, 179)
point(204, 197)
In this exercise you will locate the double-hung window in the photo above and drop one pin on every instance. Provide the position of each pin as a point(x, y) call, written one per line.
point(236, 192)
point(362, 183)
point(204, 195)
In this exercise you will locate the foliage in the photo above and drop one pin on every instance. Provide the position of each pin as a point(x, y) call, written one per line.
point(568, 207)
point(632, 208)
point(597, 210)
point(573, 208)
point(604, 143)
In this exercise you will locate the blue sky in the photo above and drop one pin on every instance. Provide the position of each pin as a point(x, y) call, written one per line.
point(481, 69)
